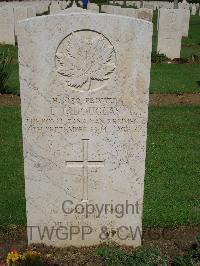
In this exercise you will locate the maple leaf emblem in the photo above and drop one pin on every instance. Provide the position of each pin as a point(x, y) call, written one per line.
point(81, 60)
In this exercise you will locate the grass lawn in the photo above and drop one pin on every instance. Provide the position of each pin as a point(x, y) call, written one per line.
point(172, 167)
point(174, 78)
point(172, 176)
point(12, 199)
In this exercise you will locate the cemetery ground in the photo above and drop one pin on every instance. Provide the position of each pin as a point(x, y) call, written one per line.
point(172, 166)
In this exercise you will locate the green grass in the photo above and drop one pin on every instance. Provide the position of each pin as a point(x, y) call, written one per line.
point(9, 50)
point(12, 200)
point(174, 78)
point(172, 175)
point(12, 85)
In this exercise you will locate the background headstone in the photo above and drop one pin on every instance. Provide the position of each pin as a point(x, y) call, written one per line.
point(55, 7)
point(7, 34)
point(170, 32)
point(185, 22)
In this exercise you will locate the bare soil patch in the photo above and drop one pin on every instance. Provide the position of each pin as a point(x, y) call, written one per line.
point(171, 242)
point(9, 100)
point(175, 99)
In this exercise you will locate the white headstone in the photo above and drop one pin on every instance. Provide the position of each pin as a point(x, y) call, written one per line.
point(130, 12)
point(84, 82)
point(42, 7)
point(93, 7)
point(7, 35)
point(170, 32)
point(72, 10)
point(55, 7)
point(185, 21)
point(145, 13)
point(193, 10)
point(20, 13)
point(111, 9)
point(63, 4)
point(31, 12)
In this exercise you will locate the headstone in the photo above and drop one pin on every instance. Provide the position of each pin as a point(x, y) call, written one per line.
point(72, 10)
point(170, 32)
point(55, 7)
point(7, 35)
point(111, 9)
point(193, 10)
point(185, 22)
point(130, 12)
point(63, 4)
point(145, 13)
point(31, 12)
point(20, 13)
point(93, 7)
point(184, 5)
point(80, 3)
point(84, 106)
point(42, 7)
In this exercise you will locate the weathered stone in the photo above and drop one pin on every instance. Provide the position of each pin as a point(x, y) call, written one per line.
point(193, 9)
point(145, 13)
point(84, 82)
point(73, 10)
point(20, 13)
point(55, 7)
point(185, 22)
point(31, 12)
point(7, 35)
point(93, 7)
point(141, 13)
point(111, 9)
point(130, 12)
point(170, 32)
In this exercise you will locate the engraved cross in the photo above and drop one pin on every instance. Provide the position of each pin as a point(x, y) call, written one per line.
point(85, 164)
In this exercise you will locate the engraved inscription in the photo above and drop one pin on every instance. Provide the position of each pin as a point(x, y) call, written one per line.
point(85, 164)
point(85, 60)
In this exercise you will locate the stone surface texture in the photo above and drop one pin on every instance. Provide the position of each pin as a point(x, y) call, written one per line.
point(7, 26)
point(170, 32)
point(84, 82)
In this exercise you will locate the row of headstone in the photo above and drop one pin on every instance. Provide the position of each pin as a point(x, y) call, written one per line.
point(84, 100)
point(9, 18)
point(141, 13)
point(157, 4)
point(40, 6)
point(173, 24)
point(12, 12)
